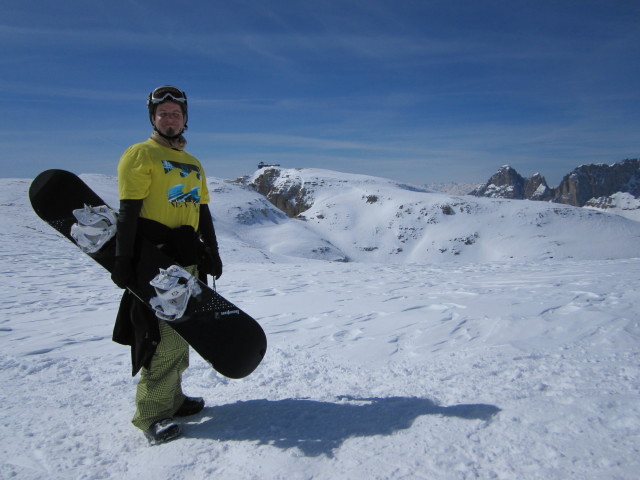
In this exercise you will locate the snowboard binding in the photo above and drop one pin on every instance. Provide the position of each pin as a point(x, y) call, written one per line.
point(95, 227)
point(174, 287)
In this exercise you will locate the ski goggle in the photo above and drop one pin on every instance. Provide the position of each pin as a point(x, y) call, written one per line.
point(167, 92)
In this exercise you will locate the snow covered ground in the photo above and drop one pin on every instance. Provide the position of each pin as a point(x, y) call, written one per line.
point(522, 368)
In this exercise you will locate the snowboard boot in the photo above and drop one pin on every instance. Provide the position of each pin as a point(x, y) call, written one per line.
point(162, 431)
point(190, 406)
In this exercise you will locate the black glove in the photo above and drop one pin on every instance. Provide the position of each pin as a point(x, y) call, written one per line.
point(123, 272)
point(210, 262)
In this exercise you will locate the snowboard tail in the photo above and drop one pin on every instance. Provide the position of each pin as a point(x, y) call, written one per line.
point(224, 335)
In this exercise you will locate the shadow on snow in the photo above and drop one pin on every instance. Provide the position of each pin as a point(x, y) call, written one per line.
point(318, 428)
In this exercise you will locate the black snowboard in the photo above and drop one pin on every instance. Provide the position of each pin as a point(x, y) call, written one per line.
point(228, 338)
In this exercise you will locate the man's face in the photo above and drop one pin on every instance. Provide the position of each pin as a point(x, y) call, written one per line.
point(169, 119)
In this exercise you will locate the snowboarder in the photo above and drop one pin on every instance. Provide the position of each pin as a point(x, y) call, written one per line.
point(163, 198)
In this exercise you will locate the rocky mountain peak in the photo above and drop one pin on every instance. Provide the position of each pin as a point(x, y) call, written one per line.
point(508, 183)
point(599, 180)
point(577, 188)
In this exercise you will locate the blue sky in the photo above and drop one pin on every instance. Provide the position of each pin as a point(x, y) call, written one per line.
point(415, 90)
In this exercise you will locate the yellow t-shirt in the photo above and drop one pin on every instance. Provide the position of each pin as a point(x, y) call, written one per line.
point(171, 183)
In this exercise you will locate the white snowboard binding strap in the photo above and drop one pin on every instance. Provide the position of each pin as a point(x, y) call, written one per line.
point(174, 287)
point(95, 227)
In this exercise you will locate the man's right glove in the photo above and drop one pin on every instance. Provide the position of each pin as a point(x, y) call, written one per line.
point(123, 271)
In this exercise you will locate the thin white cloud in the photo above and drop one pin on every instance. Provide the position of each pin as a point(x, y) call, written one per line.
point(288, 46)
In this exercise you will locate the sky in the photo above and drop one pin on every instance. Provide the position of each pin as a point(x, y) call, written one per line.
point(418, 91)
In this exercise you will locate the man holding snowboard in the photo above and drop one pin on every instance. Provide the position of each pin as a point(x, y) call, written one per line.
point(164, 199)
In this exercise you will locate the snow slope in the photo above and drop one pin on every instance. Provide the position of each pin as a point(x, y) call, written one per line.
point(620, 203)
point(368, 219)
point(451, 367)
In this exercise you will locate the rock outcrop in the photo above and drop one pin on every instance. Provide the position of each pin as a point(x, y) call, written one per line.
point(289, 194)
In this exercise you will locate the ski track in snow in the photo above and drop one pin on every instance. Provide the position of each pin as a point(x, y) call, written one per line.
point(454, 371)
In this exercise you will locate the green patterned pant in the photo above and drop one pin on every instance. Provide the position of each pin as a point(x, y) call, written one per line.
point(159, 392)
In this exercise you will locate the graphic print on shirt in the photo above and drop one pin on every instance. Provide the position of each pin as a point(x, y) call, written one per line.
point(185, 168)
point(177, 194)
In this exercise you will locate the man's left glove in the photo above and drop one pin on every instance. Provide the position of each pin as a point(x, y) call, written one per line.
point(210, 262)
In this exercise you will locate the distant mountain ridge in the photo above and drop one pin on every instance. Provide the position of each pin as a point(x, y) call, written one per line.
point(357, 218)
point(578, 188)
